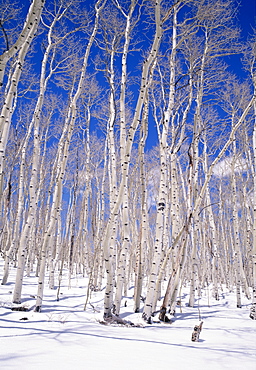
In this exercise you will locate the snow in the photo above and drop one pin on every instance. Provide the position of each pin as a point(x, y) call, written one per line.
point(64, 336)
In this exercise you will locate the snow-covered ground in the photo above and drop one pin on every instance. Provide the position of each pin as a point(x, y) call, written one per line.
point(64, 336)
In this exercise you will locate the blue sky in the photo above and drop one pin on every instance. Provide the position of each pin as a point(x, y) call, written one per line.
point(246, 15)
point(246, 20)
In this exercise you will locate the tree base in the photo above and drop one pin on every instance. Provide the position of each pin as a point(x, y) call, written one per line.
point(163, 317)
point(146, 318)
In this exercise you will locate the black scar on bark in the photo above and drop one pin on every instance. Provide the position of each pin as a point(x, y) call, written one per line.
point(161, 206)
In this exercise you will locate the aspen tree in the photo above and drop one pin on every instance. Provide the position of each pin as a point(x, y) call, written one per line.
point(162, 208)
point(33, 185)
point(61, 161)
point(10, 12)
point(247, 247)
point(98, 265)
point(162, 195)
point(20, 202)
point(223, 232)
point(178, 253)
point(215, 241)
point(127, 156)
point(200, 197)
point(179, 40)
point(21, 47)
point(194, 166)
point(216, 261)
point(253, 308)
point(62, 156)
point(112, 172)
point(125, 242)
point(215, 45)
point(252, 68)
point(31, 22)
point(71, 216)
point(238, 263)
point(234, 104)
point(132, 213)
point(49, 110)
point(144, 227)
point(89, 180)
point(86, 178)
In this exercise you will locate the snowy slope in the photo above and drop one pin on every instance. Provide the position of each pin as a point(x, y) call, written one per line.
point(64, 336)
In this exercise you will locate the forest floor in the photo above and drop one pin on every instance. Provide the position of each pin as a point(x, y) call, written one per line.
point(64, 336)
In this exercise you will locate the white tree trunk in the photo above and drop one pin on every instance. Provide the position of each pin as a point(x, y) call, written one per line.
point(125, 242)
point(33, 185)
point(22, 44)
point(253, 308)
point(130, 137)
point(20, 205)
point(152, 290)
point(32, 21)
point(144, 227)
point(62, 155)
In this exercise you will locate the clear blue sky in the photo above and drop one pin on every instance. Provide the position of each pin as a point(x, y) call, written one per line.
point(247, 16)
point(246, 20)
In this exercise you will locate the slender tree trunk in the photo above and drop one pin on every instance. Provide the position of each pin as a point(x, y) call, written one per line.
point(62, 156)
point(162, 193)
point(28, 227)
point(32, 21)
point(144, 229)
point(22, 44)
point(130, 139)
point(253, 308)
point(125, 242)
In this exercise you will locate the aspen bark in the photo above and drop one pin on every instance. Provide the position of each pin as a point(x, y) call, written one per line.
point(253, 308)
point(22, 44)
point(125, 242)
point(238, 263)
point(130, 136)
point(33, 185)
point(32, 21)
point(162, 194)
point(62, 156)
point(20, 201)
point(110, 256)
point(185, 228)
point(144, 229)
